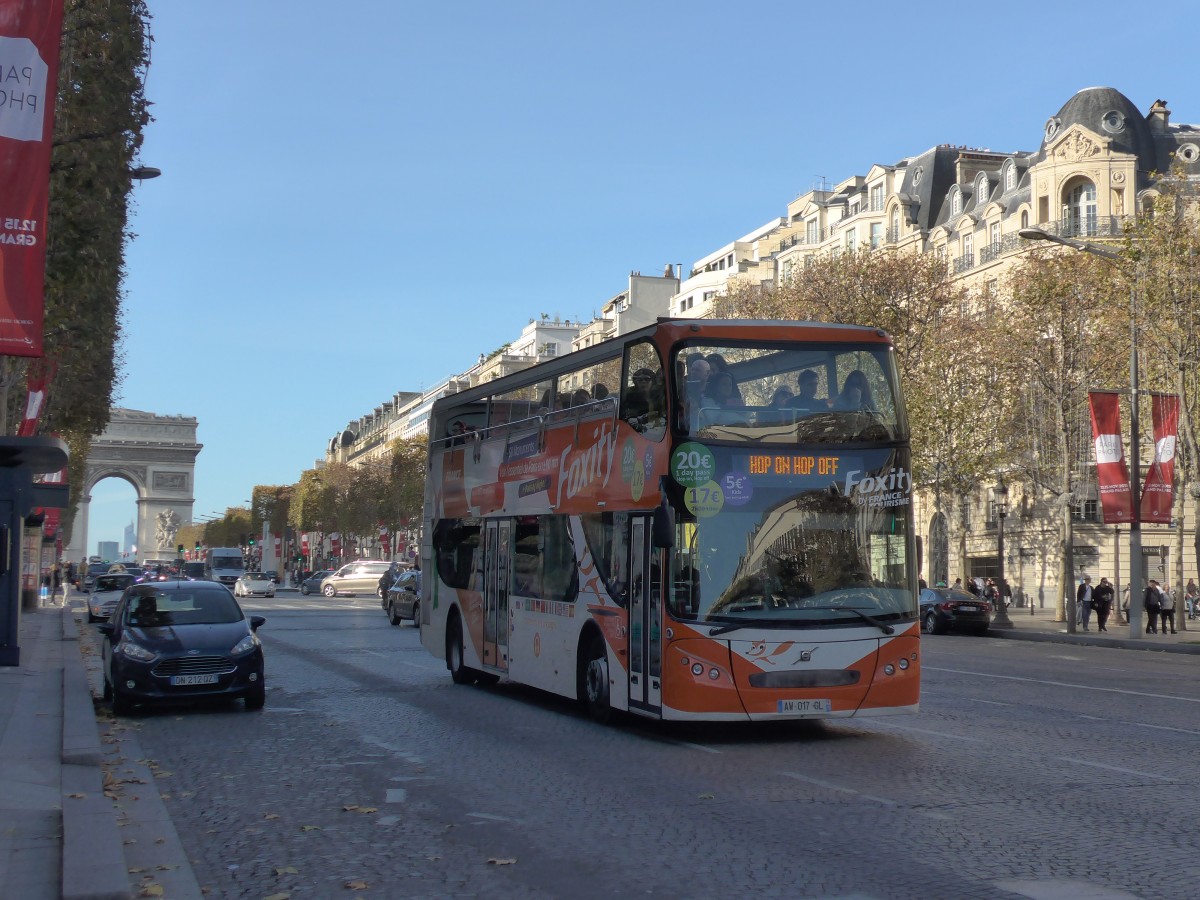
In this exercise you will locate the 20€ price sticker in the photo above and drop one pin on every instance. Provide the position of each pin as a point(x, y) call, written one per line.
point(704, 501)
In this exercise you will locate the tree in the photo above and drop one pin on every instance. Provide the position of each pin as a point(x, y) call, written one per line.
point(1163, 246)
point(1059, 314)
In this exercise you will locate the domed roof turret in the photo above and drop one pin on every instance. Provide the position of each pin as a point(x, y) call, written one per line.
point(1109, 113)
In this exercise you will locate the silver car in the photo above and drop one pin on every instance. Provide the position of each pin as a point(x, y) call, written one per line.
point(106, 591)
point(360, 577)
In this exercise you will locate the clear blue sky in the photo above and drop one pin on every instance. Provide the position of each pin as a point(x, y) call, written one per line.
point(361, 198)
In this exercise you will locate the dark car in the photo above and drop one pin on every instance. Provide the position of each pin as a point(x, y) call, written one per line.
point(180, 641)
point(93, 570)
point(404, 598)
point(312, 584)
point(273, 575)
point(946, 609)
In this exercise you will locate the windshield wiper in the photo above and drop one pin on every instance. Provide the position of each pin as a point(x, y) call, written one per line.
point(734, 626)
point(882, 626)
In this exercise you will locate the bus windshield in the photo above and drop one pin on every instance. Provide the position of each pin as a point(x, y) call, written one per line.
point(786, 393)
point(792, 537)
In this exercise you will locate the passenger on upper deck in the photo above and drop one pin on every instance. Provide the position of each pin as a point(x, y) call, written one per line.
point(806, 398)
point(856, 393)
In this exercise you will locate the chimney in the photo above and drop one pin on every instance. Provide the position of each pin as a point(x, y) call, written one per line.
point(1159, 117)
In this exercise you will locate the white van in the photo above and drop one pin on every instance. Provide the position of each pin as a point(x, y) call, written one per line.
point(224, 564)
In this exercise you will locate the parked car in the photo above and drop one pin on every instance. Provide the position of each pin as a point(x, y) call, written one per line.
point(403, 599)
point(946, 609)
point(361, 577)
point(105, 594)
point(273, 575)
point(312, 584)
point(179, 641)
point(254, 584)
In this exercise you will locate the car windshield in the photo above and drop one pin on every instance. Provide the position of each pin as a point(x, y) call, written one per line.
point(182, 607)
point(937, 595)
point(257, 576)
point(113, 583)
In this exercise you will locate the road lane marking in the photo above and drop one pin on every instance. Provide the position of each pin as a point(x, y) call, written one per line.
point(1074, 760)
point(957, 737)
point(1065, 684)
point(829, 785)
point(396, 795)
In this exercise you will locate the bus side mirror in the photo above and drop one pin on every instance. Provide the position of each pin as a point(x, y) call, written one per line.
point(662, 530)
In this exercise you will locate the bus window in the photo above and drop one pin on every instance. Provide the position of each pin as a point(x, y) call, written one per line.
point(644, 396)
point(543, 559)
point(456, 543)
point(607, 537)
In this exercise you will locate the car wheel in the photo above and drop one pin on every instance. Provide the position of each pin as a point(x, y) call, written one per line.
point(304, 589)
point(256, 697)
point(91, 618)
point(329, 590)
point(107, 691)
point(459, 673)
point(270, 595)
point(931, 624)
point(393, 614)
point(416, 616)
point(593, 680)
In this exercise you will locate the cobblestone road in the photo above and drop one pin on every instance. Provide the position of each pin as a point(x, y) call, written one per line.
point(1033, 771)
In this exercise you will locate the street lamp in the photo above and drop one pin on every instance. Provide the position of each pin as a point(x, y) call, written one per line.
point(1135, 444)
point(1000, 493)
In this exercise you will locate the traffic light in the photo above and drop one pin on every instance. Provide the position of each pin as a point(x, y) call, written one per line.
point(179, 549)
point(251, 540)
point(197, 546)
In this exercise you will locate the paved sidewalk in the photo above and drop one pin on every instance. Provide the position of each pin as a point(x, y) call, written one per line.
point(1041, 627)
point(68, 829)
point(62, 832)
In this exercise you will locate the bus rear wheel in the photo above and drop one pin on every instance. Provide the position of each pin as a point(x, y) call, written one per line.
point(459, 673)
point(593, 680)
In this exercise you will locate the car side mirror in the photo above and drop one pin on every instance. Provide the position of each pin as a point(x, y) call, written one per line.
point(256, 622)
point(106, 628)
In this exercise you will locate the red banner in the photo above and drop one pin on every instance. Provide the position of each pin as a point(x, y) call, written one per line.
point(1158, 493)
point(37, 386)
point(30, 31)
point(1111, 473)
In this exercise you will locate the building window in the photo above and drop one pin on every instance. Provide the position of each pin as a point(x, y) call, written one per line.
point(1025, 219)
point(1080, 211)
point(1010, 175)
point(955, 201)
point(851, 239)
point(877, 198)
point(812, 232)
point(981, 191)
point(876, 235)
point(968, 246)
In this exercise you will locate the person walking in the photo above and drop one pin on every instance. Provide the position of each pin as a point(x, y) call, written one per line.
point(1151, 602)
point(1102, 602)
point(1083, 602)
point(1166, 610)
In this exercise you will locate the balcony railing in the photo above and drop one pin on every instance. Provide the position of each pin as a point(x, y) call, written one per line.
point(1086, 227)
point(964, 263)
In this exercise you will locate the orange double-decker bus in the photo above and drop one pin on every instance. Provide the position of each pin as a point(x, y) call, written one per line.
point(698, 520)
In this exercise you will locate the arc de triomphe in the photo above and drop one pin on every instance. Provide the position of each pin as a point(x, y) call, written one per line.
point(157, 455)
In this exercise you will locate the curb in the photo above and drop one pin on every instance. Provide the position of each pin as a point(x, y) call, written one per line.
point(93, 856)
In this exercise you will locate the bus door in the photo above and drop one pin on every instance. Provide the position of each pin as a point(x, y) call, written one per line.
point(645, 620)
point(497, 545)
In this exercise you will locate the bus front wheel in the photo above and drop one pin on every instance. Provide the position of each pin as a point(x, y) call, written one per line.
point(459, 672)
point(594, 680)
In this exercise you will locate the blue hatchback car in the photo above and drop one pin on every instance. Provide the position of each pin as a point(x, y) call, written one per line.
point(181, 641)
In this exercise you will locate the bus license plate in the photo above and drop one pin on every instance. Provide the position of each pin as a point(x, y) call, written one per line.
point(801, 707)
point(193, 679)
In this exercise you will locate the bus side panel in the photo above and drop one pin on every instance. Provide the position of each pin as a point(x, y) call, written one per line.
point(697, 679)
point(899, 692)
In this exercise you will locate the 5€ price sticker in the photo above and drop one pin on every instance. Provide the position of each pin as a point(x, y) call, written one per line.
point(704, 501)
point(737, 488)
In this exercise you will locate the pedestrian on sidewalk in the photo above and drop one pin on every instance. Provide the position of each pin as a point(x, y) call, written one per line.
point(1102, 602)
point(1191, 596)
point(1083, 602)
point(1167, 608)
point(1152, 601)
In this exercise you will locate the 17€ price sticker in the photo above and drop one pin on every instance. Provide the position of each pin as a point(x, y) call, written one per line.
point(704, 501)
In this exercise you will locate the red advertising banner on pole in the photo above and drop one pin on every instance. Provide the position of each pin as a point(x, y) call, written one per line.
point(1111, 473)
point(1158, 493)
point(30, 32)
